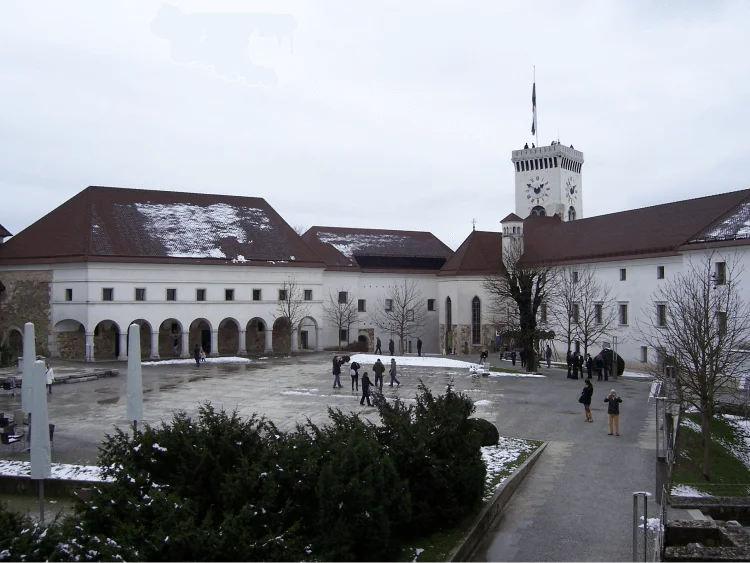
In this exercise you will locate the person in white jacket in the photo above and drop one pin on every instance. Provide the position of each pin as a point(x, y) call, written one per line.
point(50, 378)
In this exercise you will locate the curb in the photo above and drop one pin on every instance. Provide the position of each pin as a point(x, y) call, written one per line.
point(487, 516)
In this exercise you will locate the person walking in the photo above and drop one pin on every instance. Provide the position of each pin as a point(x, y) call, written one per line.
point(513, 356)
point(522, 354)
point(197, 355)
point(391, 346)
point(337, 373)
point(576, 363)
point(354, 372)
point(569, 361)
point(50, 378)
point(366, 383)
point(377, 346)
point(613, 410)
point(589, 365)
point(378, 369)
point(483, 356)
point(548, 355)
point(586, 394)
point(392, 373)
point(598, 366)
point(419, 346)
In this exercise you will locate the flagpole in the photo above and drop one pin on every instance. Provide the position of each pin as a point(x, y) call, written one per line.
point(536, 114)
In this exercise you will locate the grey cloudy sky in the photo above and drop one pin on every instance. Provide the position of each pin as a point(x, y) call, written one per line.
point(370, 114)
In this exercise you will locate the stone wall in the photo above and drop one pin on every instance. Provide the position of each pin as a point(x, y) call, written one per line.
point(26, 299)
point(462, 339)
point(282, 337)
point(229, 339)
point(105, 341)
point(72, 345)
point(255, 340)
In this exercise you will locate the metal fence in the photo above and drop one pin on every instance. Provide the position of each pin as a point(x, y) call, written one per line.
point(648, 529)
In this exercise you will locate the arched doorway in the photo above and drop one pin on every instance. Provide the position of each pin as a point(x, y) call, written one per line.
point(282, 336)
point(145, 337)
point(106, 340)
point(14, 346)
point(229, 337)
point(170, 335)
point(70, 339)
point(363, 343)
point(308, 334)
point(255, 336)
point(200, 333)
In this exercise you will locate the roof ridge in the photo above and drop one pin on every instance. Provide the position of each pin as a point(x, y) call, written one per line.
point(371, 229)
point(178, 192)
point(718, 217)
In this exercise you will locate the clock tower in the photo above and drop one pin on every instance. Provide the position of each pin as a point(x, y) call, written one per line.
point(548, 181)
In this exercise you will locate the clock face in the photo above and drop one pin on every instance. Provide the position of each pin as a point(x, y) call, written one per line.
point(537, 190)
point(571, 190)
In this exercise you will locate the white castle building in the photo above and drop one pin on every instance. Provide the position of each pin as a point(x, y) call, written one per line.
point(206, 269)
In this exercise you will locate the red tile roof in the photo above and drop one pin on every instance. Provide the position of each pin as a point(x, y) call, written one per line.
point(511, 217)
point(126, 225)
point(479, 255)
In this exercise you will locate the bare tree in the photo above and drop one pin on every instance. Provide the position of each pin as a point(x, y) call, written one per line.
point(596, 314)
point(291, 305)
point(341, 311)
point(564, 308)
point(528, 286)
point(299, 229)
point(699, 321)
point(402, 311)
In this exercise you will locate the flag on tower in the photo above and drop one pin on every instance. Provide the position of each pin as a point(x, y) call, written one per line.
point(533, 107)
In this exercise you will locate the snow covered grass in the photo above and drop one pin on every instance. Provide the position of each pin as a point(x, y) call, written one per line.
point(636, 375)
point(503, 459)
point(188, 361)
point(686, 491)
point(62, 471)
point(367, 360)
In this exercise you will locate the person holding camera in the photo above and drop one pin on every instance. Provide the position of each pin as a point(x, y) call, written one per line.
point(613, 409)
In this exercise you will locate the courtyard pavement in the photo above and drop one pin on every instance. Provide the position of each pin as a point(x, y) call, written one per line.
point(576, 504)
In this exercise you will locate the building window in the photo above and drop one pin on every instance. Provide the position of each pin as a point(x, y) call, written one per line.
point(644, 354)
point(623, 274)
point(200, 294)
point(171, 294)
point(361, 305)
point(576, 311)
point(448, 312)
point(721, 322)
point(344, 335)
point(228, 295)
point(410, 315)
point(543, 312)
point(430, 304)
point(660, 272)
point(661, 314)
point(140, 293)
point(256, 295)
point(476, 321)
point(623, 313)
point(343, 297)
point(575, 277)
point(539, 210)
point(282, 295)
point(108, 294)
point(571, 213)
point(389, 304)
point(598, 313)
point(69, 294)
point(308, 295)
point(720, 276)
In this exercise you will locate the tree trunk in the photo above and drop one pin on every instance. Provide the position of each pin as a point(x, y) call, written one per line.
point(706, 438)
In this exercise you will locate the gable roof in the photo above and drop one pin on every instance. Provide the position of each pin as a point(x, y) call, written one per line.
point(511, 217)
point(126, 225)
point(658, 229)
point(351, 248)
point(479, 255)
point(4, 232)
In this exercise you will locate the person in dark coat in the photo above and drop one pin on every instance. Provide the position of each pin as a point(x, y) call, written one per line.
point(575, 361)
point(366, 383)
point(598, 366)
point(419, 346)
point(378, 369)
point(522, 354)
point(589, 365)
point(605, 366)
point(337, 372)
point(377, 346)
point(483, 356)
point(586, 394)
point(569, 360)
point(392, 373)
point(513, 357)
point(391, 346)
point(197, 355)
point(613, 410)
point(548, 356)
point(354, 372)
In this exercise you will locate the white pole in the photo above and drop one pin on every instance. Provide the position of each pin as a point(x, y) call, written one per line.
point(536, 112)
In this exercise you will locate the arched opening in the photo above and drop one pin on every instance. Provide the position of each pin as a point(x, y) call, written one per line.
point(308, 334)
point(539, 210)
point(476, 321)
point(255, 336)
point(145, 337)
point(13, 346)
point(282, 336)
point(170, 334)
point(70, 340)
point(448, 326)
point(571, 213)
point(106, 340)
point(200, 333)
point(364, 343)
point(229, 336)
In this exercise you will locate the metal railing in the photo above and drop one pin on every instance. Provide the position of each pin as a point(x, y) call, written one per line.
point(644, 529)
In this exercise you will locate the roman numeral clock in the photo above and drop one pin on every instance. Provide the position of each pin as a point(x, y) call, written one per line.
point(537, 190)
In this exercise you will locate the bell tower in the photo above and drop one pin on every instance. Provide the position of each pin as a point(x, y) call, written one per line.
point(548, 181)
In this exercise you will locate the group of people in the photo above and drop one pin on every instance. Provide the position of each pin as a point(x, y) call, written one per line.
point(198, 355)
point(378, 369)
point(577, 363)
point(392, 346)
point(613, 406)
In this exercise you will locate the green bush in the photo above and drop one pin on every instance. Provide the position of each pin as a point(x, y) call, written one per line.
point(488, 433)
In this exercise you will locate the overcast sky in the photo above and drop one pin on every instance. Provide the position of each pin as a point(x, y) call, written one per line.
point(382, 114)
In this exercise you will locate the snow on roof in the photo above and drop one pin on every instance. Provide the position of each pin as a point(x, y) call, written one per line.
point(350, 244)
point(735, 226)
point(196, 231)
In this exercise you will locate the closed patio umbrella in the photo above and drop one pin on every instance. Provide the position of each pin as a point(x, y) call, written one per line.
point(135, 379)
point(29, 357)
point(40, 444)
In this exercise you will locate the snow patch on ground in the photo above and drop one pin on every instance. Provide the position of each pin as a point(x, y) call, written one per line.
point(694, 426)
point(518, 374)
point(687, 491)
point(636, 375)
point(498, 459)
point(62, 471)
point(482, 403)
point(422, 361)
point(187, 361)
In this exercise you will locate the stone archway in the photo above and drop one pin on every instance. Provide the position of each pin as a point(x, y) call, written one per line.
point(255, 336)
point(229, 337)
point(170, 335)
point(282, 336)
point(308, 334)
point(146, 331)
point(70, 339)
point(106, 340)
point(14, 346)
point(200, 333)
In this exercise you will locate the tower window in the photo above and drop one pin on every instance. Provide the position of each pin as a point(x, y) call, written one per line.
point(572, 213)
point(518, 166)
point(555, 161)
point(539, 210)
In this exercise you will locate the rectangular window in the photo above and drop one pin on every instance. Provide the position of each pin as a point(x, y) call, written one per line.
point(344, 335)
point(256, 295)
point(721, 322)
point(108, 294)
point(623, 313)
point(575, 277)
point(661, 314)
point(410, 315)
point(140, 293)
point(228, 295)
point(598, 313)
point(308, 295)
point(660, 272)
point(555, 160)
point(389, 304)
point(343, 297)
point(282, 295)
point(361, 305)
point(623, 274)
point(200, 294)
point(430, 304)
point(576, 311)
point(720, 276)
point(543, 312)
point(171, 294)
point(69, 294)
point(644, 354)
